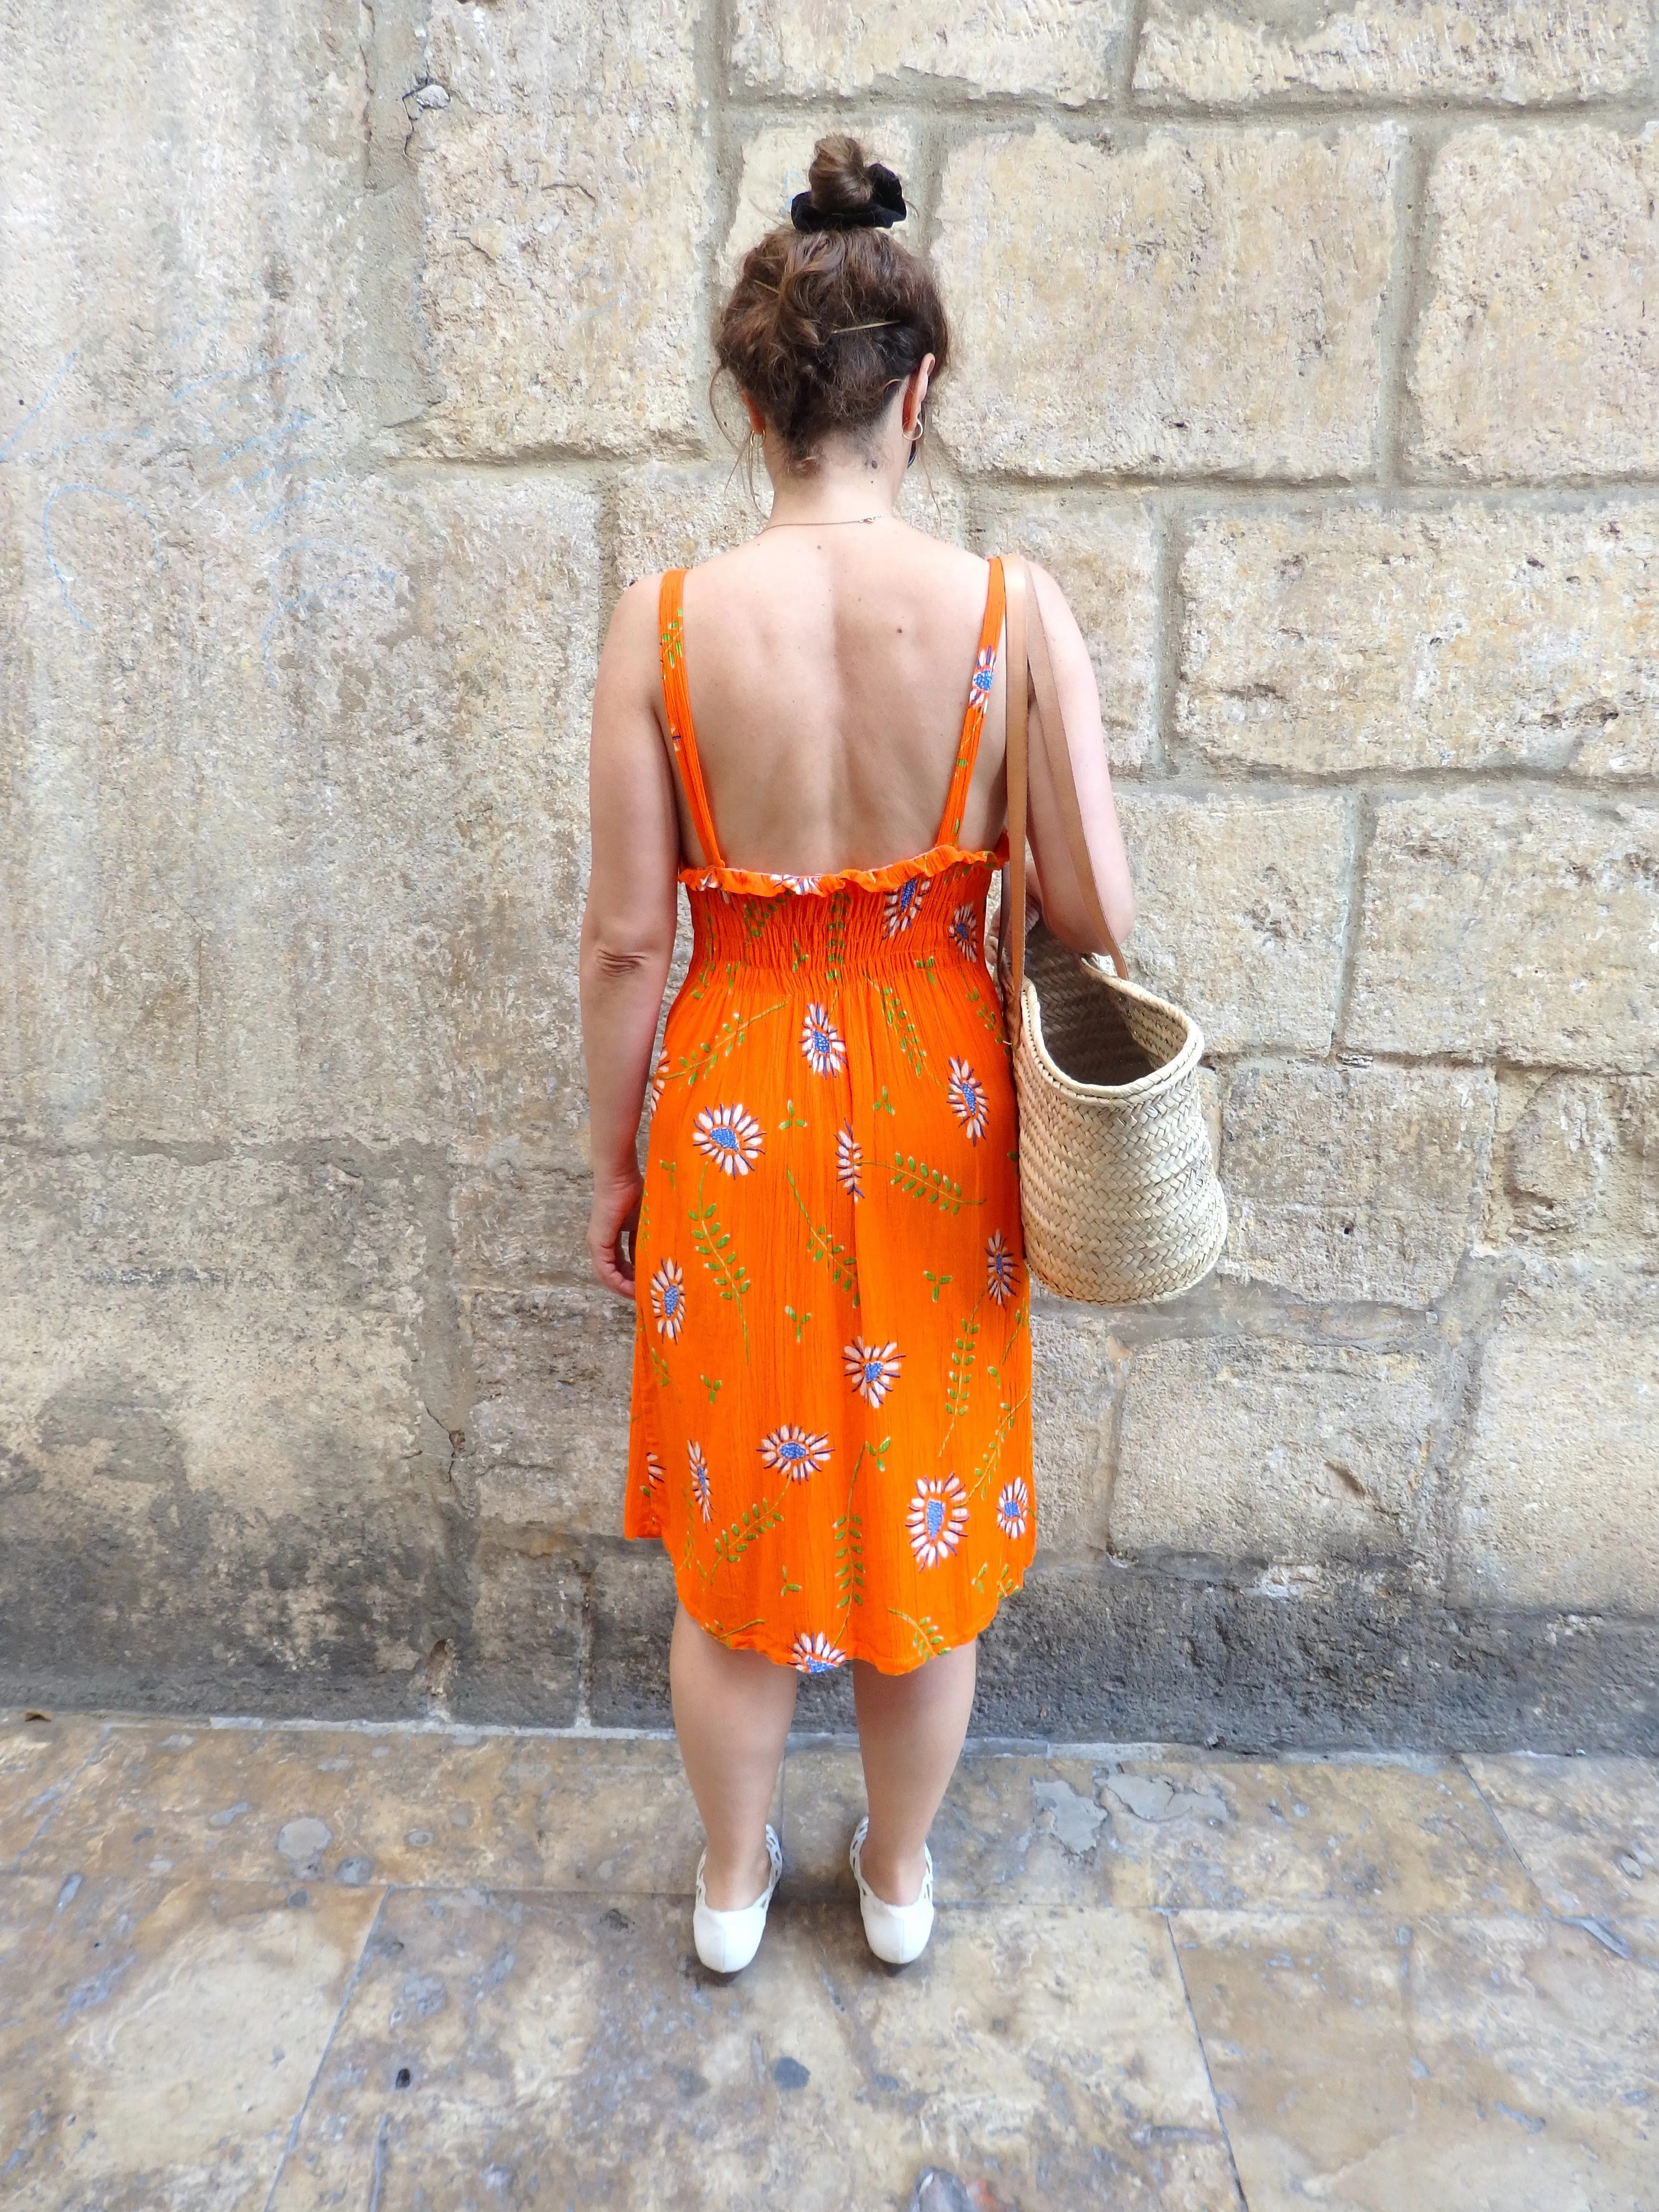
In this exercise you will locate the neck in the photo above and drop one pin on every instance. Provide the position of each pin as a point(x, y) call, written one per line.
point(833, 495)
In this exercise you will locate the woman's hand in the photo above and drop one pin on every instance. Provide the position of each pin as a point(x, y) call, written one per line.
point(616, 1212)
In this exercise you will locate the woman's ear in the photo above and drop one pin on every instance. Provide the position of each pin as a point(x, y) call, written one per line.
point(915, 393)
point(756, 419)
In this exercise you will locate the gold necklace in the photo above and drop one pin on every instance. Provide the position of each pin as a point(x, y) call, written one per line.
point(835, 523)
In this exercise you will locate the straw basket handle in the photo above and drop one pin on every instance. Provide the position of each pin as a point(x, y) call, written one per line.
point(1029, 669)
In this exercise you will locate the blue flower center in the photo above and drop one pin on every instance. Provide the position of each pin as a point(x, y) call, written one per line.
point(726, 1137)
point(794, 1451)
point(935, 1516)
point(873, 1370)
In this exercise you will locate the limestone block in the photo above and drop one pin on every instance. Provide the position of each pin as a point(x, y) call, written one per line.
point(294, 832)
point(1077, 1367)
point(1518, 927)
point(774, 164)
point(1580, 1169)
point(1358, 641)
point(1229, 52)
point(192, 259)
point(566, 187)
point(1354, 1182)
point(1067, 50)
point(547, 1445)
point(1103, 556)
point(520, 1213)
point(1198, 300)
point(523, 1654)
point(222, 1413)
point(1560, 1485)
point(1240, 901)
point(1537, 354)
point(1262, 1450)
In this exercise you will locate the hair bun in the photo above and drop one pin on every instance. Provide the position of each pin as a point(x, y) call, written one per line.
point(847, 192)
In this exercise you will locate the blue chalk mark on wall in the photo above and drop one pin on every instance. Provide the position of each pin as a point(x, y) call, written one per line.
point(92, 491)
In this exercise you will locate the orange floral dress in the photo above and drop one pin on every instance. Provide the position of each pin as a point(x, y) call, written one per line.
point(831, 1398)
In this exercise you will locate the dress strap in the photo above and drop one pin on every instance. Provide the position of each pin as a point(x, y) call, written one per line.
point(979, 697)
point(676, 704)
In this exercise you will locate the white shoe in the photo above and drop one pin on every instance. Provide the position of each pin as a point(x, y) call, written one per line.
point(727, 1941)
point(896, 1933)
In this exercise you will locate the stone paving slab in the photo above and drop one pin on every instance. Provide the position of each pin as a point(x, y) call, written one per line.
point(522, 1811)
point(558, 2051)
point(39, 1760)
point(1587, 1829)
point(158, 2038)
point(1182, 1829)
point(450, 1970)
point(1485, 2065)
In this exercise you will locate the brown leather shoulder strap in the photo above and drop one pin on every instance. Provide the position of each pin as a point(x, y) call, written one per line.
point(1028, 644)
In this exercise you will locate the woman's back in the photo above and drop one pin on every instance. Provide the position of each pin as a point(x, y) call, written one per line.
point(827, 670)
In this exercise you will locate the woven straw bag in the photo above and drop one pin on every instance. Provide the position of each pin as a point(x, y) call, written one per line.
point(1120, 1201)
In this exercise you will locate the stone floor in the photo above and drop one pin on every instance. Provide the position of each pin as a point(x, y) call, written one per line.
point(293, 1967)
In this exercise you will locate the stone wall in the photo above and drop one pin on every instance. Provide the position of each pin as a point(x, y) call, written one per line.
point(354, 358)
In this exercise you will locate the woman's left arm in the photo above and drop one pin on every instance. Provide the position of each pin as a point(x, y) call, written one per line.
point(627, 923)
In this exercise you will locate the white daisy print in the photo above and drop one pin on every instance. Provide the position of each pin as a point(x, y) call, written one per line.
point(728, 1136)
point(849, 1162)
point(654, 1472)
point(699, 1466)
point(1013, 1508)
point(937, 1517)
point(964, 931)
point(822, 1042)
point(872, 1369)
point(968, 1102)
point(796, 1450)
point(816, 1655)
point(1001, 1272)
point(902, 905)
point(668, 1299)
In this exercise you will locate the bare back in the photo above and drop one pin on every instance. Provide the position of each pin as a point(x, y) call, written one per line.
point(827, 670)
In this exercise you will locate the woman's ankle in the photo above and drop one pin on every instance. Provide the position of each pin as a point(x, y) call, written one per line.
point(896, 1878)
point(731, 1886)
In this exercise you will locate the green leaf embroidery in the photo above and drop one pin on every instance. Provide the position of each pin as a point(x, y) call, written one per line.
point(712, 1385)
point(834, 935)
point(960, 1375)
point(659, 1366)
point(848, 1532)
point(823, 1248)
point(792, 1119)
point(754, 1522)
point(800, 1321)
point(928, 1637)
point(713, 1246)
point(917, 1180)
point(898, 1019)
point(938, 1281)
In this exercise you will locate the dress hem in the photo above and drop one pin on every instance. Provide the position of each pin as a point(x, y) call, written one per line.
point(785, 1658)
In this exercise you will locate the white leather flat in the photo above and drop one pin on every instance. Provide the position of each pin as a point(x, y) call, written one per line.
point(727, 1941)
point(896, 1933)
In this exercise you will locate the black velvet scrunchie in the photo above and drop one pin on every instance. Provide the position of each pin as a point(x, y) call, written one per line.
point(884, 207)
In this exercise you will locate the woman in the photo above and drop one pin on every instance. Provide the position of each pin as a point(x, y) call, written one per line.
point(832, 1422)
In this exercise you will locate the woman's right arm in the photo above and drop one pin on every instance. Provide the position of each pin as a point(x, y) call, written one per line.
point(627, 923)
point(1064, 907)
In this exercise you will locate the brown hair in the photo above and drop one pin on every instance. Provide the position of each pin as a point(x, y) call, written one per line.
point(789, 334)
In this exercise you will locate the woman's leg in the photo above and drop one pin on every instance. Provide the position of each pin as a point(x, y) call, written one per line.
point(732, 1713)
point(910, 1734)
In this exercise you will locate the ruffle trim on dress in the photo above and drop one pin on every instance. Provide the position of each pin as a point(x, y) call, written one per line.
point(756, 883)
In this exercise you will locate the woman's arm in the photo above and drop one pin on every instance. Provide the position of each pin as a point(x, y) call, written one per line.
point(1063, 907)
point(627, 924)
